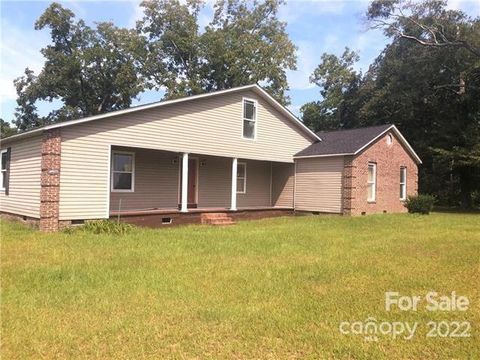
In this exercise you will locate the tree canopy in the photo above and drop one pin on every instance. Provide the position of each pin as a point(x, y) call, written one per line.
point(92, 70)
point(426, 81)
point(244, 43)
point(86, 68)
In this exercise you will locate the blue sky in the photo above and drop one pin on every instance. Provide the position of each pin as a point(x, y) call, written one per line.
point(314, 26)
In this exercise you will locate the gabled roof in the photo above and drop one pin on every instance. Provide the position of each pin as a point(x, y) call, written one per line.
point(351, 142)
point(254, 87)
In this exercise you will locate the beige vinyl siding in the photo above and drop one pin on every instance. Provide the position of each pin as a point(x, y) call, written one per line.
point(258, 185)
point(282, 185)
point(214, 182)
point(156, 182)
point(211, 126)
point(319, 184)
point(25, 172)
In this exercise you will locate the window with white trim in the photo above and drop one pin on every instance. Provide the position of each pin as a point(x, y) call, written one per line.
point(249, 118)
point(123, 171)
point(3, 169)
point(241, 178)
point(372, 182)
point(403, 183)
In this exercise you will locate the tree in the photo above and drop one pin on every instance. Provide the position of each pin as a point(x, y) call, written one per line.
point(439, 80)
point(336, 78)
point(87, 69)
point(428, 23)
point(427, 82)
point(6, 129)
point(244, 43)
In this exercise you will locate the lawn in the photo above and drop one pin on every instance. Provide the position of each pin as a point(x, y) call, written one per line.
point(270, 289)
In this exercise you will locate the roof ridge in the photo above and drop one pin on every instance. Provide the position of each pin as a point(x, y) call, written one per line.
point(354, 129)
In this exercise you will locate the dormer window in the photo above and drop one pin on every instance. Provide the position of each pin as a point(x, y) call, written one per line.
point(249, 119)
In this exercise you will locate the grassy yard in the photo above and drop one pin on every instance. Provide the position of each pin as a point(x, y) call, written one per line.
point(276, 288)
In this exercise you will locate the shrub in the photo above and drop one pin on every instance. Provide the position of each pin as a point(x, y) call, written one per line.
point(421, 204)
point(103, 227)
point(476, 199)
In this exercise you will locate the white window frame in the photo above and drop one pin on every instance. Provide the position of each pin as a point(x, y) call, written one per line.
point(112, 171)
point(403, 186)
point(2, 185)
point(244, 177)
point(374, 182)
point(255, 121)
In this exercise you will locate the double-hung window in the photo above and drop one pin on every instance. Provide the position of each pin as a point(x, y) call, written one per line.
point(123, 171)
point(403, 183)
point(3, 169)
point(241, 178)
point(372, 182)
point(249, 119)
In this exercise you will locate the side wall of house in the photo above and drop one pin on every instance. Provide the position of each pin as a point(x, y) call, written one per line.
point(388, 159)
point(318, 184)
point(25, 172)
point(258, 189)
point(210, 126)
point(283, 181)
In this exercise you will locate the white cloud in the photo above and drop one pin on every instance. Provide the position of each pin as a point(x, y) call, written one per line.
point(75, 6)
point(18, 50)
point(294, 10)
point(295, 109)
point(308, 58)
point(137, 13)
point(469, 6)
point(369, 44)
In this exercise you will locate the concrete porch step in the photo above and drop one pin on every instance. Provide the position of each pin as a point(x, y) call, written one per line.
point(217, 219)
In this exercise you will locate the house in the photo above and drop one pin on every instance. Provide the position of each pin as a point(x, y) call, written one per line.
point(230, 151)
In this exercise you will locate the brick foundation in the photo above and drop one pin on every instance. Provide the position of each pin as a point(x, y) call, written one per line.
point(32, 222)
point(50, 181)
point(155, 220)
point(389, 159)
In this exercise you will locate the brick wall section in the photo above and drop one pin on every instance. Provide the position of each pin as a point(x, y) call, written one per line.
point(50, 181)
point(348, 184)
point(389, 159)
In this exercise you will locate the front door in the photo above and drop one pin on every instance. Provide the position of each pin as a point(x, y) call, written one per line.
point(192, 182)
point(192, 191)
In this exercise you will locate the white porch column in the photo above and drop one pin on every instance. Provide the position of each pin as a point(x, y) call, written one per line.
point(184, 207)
point(233, 205)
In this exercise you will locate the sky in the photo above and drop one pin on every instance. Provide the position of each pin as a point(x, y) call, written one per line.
point(314, 26)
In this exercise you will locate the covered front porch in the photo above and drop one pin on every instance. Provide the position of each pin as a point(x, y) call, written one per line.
point(147, 182)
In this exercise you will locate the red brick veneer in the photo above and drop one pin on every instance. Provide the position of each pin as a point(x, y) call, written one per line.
point(50, 181)
point(389, 159)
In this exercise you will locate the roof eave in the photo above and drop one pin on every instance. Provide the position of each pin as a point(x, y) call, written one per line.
point(254, 87)
point(320, 155)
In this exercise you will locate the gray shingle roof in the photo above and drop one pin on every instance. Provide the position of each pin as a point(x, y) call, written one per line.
point(343, 141)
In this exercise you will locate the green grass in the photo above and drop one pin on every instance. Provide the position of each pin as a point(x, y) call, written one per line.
point(269, 289)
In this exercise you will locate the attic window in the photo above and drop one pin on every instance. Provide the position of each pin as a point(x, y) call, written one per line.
point(389, 139)
point(249, 119)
